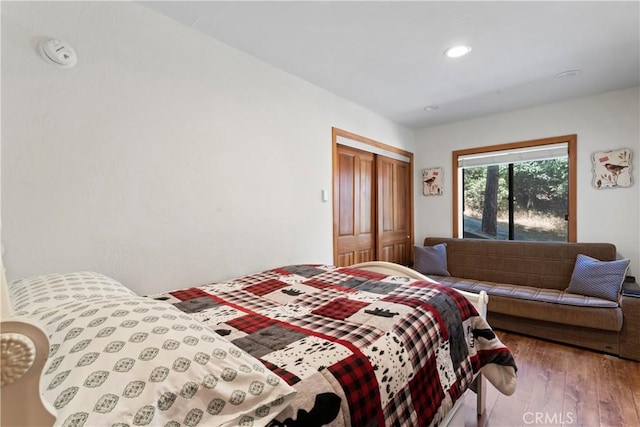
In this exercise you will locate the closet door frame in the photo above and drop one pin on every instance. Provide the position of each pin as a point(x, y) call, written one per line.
point(345, 138)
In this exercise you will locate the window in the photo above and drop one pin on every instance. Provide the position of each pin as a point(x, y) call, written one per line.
point(517, 191)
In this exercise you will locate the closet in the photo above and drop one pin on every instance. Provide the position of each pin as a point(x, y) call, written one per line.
point(372, 201)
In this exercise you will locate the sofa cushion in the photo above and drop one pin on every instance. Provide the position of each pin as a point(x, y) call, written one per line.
point(595, 278)
point(526, 292)
point(549, 305)
point(431, 259)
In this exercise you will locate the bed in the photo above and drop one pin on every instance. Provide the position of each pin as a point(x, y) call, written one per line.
point(372, 344)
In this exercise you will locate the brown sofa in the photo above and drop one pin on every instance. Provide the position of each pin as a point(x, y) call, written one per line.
point(526, 283)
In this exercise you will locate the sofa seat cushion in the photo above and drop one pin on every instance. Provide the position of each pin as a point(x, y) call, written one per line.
point(545, 307)
point(526, 292)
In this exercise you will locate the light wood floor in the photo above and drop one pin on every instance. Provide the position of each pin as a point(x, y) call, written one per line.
point(560, 385)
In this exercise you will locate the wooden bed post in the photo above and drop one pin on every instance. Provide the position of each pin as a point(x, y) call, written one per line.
point(481, 394)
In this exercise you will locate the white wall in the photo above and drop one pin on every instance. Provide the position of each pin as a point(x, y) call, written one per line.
point(602, 122)
point(164, 158)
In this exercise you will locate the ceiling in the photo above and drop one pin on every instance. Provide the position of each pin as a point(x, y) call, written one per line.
point(387, 56)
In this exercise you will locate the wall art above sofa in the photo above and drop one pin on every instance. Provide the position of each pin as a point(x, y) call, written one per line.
point(612, 169)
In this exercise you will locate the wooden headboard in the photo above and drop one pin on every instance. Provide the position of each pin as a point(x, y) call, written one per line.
point(25, 348)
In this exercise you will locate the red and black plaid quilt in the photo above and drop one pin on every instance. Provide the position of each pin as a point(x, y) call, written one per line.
point(362, 348)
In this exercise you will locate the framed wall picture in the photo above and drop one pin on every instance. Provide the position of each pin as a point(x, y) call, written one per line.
point(432, 183)
point(612, 169)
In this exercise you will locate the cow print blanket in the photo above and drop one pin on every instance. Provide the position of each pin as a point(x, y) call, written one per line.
point(361, 348)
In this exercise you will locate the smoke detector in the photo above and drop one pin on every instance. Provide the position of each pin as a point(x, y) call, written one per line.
point(58, 53)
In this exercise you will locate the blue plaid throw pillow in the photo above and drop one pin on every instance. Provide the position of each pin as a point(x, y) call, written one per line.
point(595, 278)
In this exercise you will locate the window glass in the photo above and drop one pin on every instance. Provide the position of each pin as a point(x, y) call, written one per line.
point(519, 191)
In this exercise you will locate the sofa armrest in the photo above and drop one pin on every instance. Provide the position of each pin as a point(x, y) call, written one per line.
point(630, 333)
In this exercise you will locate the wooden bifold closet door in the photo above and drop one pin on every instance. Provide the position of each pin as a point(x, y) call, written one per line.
point(394, 210)
point(372, 207)
point(356, 225)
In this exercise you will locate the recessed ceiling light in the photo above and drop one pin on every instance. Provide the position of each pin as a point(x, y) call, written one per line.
point(457, 51)
point(567, 74)
point(431, 107)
